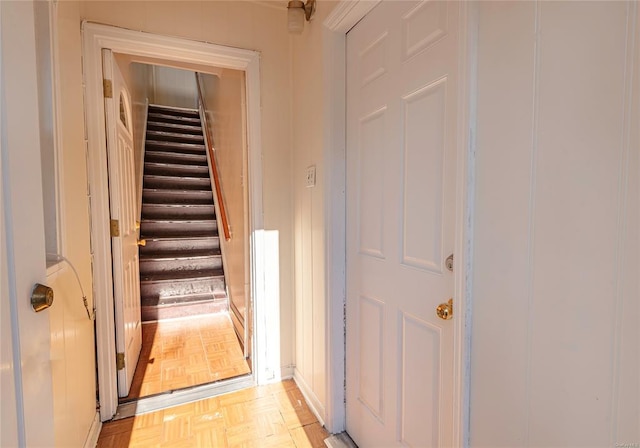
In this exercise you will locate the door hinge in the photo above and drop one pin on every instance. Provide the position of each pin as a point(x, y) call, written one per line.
point(107, 88)
point(115, 227)
point(119, 361)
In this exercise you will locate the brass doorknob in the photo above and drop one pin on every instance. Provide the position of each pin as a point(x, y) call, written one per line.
point(41, 297)
point(142, 242)
point(445, 310)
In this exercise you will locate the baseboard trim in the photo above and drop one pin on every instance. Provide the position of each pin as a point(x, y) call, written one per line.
point(94, 432)
point(286, 373)
point(312, 400)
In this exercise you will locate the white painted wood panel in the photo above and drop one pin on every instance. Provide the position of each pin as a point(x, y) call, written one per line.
point(370, 193)
point(24, 232)
point(72, 350)
point(505, 77)
point(554, 222)
point(420, 379)
point(424, 116)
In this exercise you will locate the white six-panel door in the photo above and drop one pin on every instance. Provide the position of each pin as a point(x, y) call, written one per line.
point(401, 165)
point(122, 198)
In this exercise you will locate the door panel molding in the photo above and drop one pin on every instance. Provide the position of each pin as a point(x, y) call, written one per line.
point(143, 45)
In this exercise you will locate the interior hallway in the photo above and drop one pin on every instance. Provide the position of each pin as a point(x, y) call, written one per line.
point(275, 415)
point(185, 352)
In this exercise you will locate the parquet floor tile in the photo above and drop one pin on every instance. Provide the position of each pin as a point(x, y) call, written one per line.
point(186, 352)
point(259, 417)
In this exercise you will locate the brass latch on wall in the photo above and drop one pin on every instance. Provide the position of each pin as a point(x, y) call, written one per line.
point(115, 227)
point(119, 361)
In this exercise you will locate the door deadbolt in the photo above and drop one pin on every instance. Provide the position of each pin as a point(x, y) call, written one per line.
point(449, 262)
point(41, 297)
point(445, 310)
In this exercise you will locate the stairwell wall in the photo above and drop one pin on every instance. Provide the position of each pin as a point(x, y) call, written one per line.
point(224, 98)
point(174, 87)
point(254, 26)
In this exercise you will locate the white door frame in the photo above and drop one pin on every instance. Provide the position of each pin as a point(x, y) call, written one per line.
point(344, 16)
point(141, 44)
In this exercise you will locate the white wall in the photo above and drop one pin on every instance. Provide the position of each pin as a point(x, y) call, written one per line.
point(174, 87)
point(555, 342)
point(309, 208)
point(251, 26)
point(224, 97)
point(72, 335)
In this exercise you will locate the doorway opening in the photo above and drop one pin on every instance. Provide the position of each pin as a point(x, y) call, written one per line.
point(193, 273)
point(255, 304)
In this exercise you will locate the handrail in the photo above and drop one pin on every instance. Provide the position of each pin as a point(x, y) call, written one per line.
point(214, 166)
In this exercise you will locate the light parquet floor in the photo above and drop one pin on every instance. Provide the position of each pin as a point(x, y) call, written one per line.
point(186, 352)
point(265, 416)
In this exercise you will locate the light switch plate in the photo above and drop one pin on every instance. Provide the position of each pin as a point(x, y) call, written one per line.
point(311, 176)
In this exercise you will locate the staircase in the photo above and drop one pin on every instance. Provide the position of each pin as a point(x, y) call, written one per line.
point(180, 266)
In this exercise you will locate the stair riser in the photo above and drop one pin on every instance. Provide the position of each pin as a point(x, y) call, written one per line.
point(176, 183)
point(177, 137)
point(171, 127)
point(176, 158)
point(185, 148)
point(172, 119)
point(178, 228)
point(148, 267)
point(181, 244)
point(171, 169)
point(173, 111)
point(161, 211)
point(166, 289)
point(177, 197)
point(151, 313)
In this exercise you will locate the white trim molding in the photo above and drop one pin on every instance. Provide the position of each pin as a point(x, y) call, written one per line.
point(343, 17)
point(463, 244)
point(94, 432)
point(310, 397)
point(144, 45)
